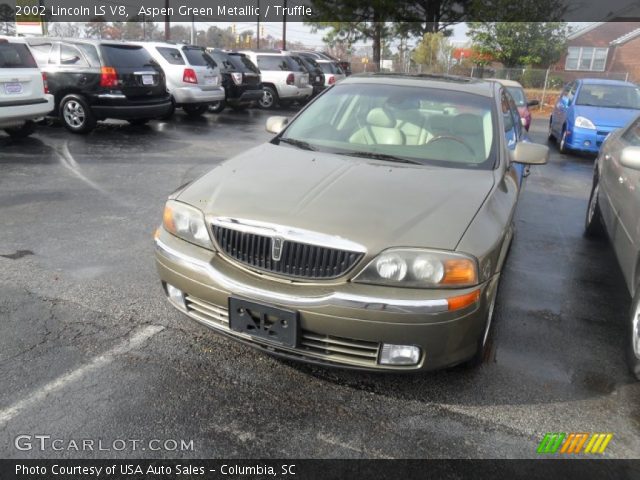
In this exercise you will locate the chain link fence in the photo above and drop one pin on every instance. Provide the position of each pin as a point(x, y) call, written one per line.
point(540, 84)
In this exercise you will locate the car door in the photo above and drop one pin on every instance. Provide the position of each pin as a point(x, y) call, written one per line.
point(511, 122)
point(563, 105)
point(622, 186)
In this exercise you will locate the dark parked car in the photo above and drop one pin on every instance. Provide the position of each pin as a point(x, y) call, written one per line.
point(316, 77)
point(94, 80)
point(240, 79)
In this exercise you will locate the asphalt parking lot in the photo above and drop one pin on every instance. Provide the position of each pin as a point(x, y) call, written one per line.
point(90, 349)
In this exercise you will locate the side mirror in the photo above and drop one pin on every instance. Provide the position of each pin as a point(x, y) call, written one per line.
point(276, 124)
point(564, 101)
point(530, 153)
point(533, 103)
point(630, 157)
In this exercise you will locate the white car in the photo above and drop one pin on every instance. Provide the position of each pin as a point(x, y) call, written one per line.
point(332, 72)
point(193, 79)
point(24, 96)
point(284, 77)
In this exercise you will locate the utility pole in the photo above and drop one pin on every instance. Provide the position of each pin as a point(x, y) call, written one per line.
point(258, 28)
point(284, 27)
point(167, 24)
point(193, 29)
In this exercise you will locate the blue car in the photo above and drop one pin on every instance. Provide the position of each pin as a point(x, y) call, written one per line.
point(589, 109)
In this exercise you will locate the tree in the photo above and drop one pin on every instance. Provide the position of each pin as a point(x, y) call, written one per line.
point(64, 29)
point(418, 17)
point(430, 51)
point(218, 38)
point(7, 19)
point(95, 28)
point(180, 34)
point(517, 44)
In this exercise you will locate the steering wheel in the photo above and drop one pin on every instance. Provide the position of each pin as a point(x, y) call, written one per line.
point(455, 139)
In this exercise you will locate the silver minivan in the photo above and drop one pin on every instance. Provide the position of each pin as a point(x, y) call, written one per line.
point(284, 77)
point(193, 79)
point(614, 209)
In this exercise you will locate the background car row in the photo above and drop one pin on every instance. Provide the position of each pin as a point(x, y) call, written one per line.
point(92, 80)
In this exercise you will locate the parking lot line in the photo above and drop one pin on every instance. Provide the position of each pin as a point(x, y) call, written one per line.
point(125, 346)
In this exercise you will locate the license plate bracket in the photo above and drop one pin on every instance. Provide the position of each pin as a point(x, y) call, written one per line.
point(13, 88)
point(264, 322)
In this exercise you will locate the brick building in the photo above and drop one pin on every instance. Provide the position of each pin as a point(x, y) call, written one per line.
point(603, 50)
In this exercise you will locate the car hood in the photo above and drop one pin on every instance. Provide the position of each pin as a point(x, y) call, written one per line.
point(606, 116)
point(376, 204)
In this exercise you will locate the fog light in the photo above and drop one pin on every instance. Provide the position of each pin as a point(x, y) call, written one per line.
point(176, 296)
point(399, 354)
point(587, 143)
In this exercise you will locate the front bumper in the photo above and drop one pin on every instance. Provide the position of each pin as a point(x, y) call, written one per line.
point(587, 140)
point(191, 95)
point(342, 325)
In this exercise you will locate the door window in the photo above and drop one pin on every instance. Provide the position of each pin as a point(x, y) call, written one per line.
point(71, 56)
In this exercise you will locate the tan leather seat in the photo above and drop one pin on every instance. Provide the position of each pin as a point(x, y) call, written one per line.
point(414, 126)
point(380, 129)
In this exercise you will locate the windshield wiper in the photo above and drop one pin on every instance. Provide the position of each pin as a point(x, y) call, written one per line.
point(297, 143)
point(381, 156)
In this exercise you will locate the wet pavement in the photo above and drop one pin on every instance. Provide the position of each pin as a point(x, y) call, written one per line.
point(90, 349)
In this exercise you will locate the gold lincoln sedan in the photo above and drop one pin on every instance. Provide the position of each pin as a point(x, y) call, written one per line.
point(369, 233)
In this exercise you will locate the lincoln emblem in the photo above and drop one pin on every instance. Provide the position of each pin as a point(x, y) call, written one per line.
point(276, 248)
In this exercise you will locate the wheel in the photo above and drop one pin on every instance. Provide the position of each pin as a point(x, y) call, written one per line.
point(593, 227)
point(633, 346)
point(484, 343)
point(550, 135)
point(269, 98)
point(218, 107)
point(562, 147)
point(195, 110)
point(23, 131)
point(76, 114)
point(138, 121)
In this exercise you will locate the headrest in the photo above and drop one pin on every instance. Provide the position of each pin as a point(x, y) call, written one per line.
point(379, 117)
point(468, 124)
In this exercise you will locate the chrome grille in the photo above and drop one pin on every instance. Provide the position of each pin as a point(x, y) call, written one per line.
point(297, 260)
point(329, 348)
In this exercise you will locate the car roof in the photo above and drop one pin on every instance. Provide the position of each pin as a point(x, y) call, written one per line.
point(91, 41)
point(605, 81)
point(444, 82)
point(504, 82)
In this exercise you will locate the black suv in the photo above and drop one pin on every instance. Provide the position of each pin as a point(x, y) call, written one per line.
point(93, 80)
point(316, 76)
point(240, 79)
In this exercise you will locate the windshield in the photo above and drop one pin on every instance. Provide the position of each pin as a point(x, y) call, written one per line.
point(518, 96)
point(399, 123)
point(612, 96)
point(197, 57)
point(125, 56)
point(16, 55)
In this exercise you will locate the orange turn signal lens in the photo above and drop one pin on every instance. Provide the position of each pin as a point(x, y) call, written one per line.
point(456, 303)
point(167, 219)
point(459, 271)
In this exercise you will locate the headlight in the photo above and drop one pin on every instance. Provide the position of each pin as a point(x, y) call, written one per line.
point(414, 267)
point(187, 223)
point(584, 122)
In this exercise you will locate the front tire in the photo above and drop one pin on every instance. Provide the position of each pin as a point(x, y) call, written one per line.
point(633, 346)
point(22, 131)
point(562, 147)
point(550, 136)
point(593, 226)
point(269, 98)
point(485, 341)
point(195, 110)
point(76, 114)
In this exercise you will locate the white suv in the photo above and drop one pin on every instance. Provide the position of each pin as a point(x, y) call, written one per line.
point(24, 96)
point(284, 77)
point(193, 79)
